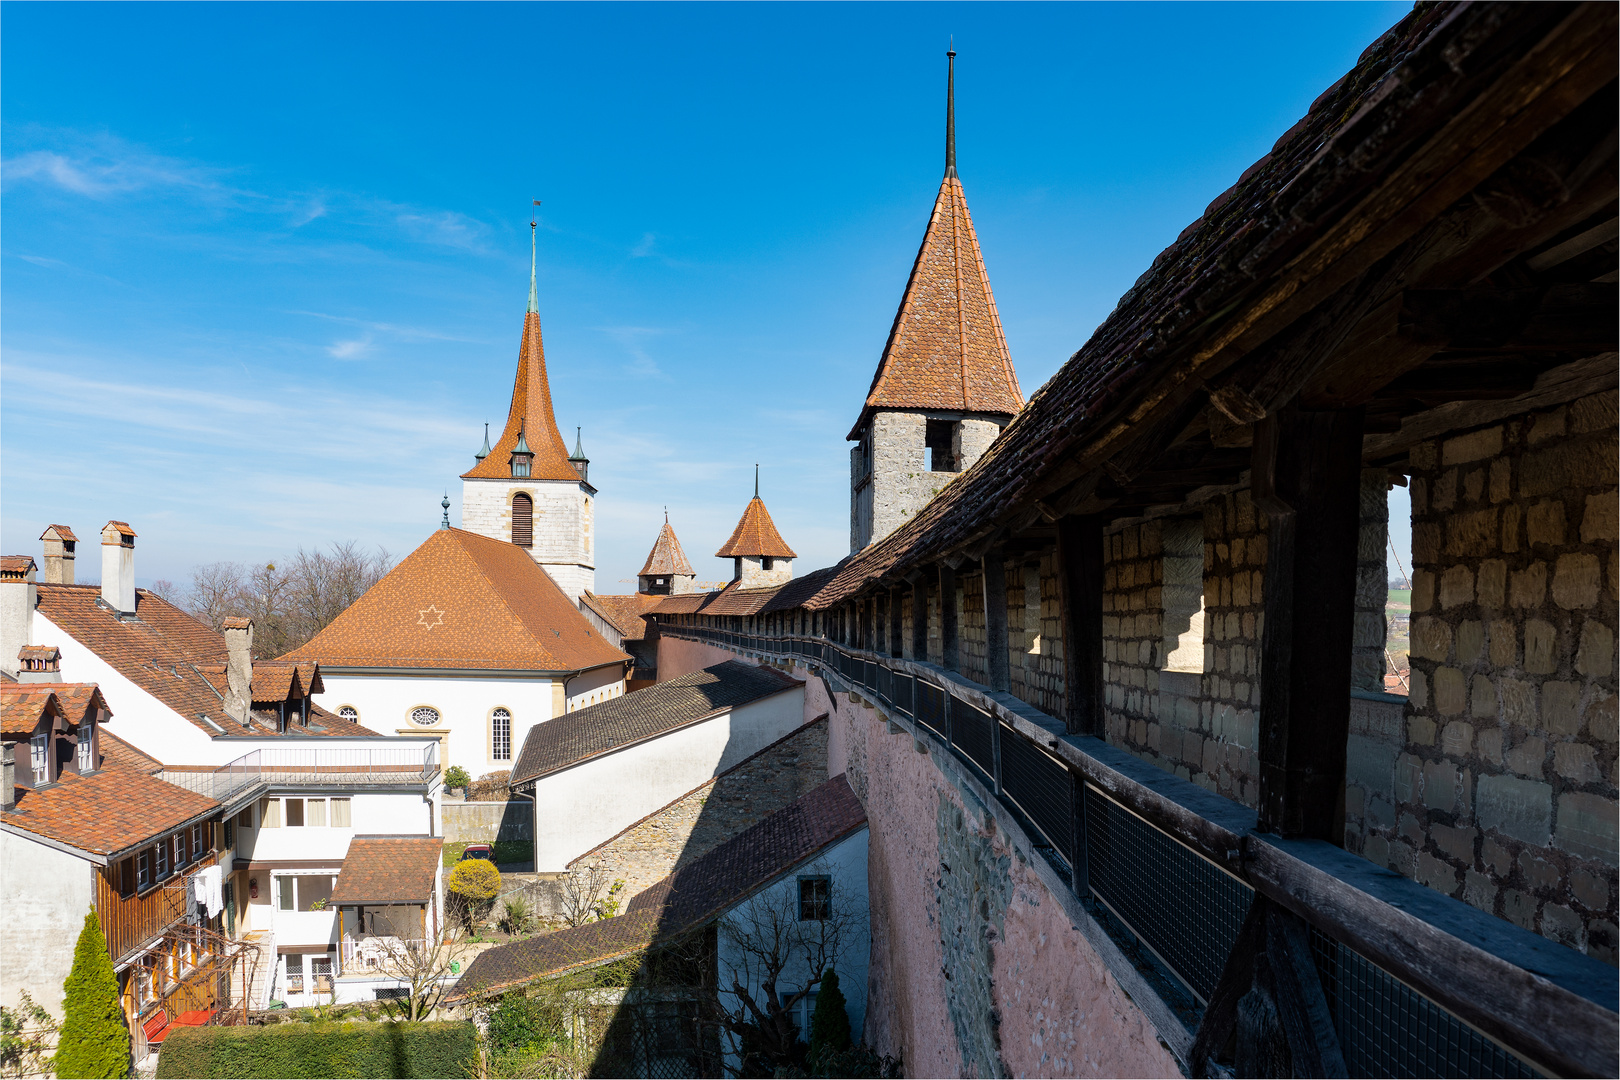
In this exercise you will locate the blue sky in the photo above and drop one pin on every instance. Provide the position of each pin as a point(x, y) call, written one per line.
point(264, 266)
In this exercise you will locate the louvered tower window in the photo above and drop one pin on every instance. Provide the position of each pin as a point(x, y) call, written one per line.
point(522, 520)
point(501, 735)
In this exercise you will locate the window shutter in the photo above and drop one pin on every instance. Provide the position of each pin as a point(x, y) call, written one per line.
point(522, 520)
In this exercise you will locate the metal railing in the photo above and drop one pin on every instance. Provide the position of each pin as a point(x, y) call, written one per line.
point(406, 766)
point(378, 955)
point(1162, 875)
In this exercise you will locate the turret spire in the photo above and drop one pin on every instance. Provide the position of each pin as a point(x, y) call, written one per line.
point(950, 110)
point(756, 479)
point(445, 523)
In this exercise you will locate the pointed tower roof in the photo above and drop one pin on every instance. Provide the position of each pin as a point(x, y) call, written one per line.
point(531, 407)
point(756, 535)
point(666, 556)
point(946, 349)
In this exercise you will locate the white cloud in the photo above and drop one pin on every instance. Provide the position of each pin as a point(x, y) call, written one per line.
point(102, 166)
point(350, 350)
point(645, 247)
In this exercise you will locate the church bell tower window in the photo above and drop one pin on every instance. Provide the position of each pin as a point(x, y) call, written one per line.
point(522, 520)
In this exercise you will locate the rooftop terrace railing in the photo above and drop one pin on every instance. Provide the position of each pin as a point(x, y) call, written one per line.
point(353, 766)
point(1417, 983)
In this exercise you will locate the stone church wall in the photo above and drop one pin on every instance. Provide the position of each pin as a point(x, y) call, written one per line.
point(564, 525)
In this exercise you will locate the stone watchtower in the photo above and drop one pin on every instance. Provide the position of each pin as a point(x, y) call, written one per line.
point(759, 556)
point(945, 386)
point(527, 489)
point(666, 571)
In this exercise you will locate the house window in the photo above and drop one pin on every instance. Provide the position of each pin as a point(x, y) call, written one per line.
point(180, 849)
point(284, 892)
point(320, 970)
point(295, 970)
point(803, 1010)
point(143, 869)
point(815, 897)
point(37, 747)
point(295, 813)
point(314, 891)
point(196, 841)
point(270, 814)
point(86, 743)
point(340, 814)
point(500, 723)
point(315, 813)
point(426, 716)
point(245, 818)
point(523, 518)
point(163, 859)
point(349, 713)
point(230, 834)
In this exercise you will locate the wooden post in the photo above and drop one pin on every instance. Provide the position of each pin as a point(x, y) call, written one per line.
point(1080, 562)
point(1307, 479)
point(997, 671)
point(919, 618)
point(896, 624)
point(950, 657)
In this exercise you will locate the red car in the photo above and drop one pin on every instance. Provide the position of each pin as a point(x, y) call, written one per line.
point(478, 851)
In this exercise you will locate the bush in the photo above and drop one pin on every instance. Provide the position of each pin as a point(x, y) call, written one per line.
point(476, 879)
point(829, 1024)
point(321, 1050)
point(456, 777)
point(94, 1040)
point(515, 917)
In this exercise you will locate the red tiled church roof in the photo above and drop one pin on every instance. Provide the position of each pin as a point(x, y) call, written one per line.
point(946, 349)
point(756, 535)
point(462, 601)
point(666, 556)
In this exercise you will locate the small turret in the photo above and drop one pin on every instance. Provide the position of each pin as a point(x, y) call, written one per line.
point(578, 460)
point(667, 570)
point(759, 556)
point(484, 452)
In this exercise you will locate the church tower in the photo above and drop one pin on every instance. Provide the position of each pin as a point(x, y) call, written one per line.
point(945, 386)
point(759, 556)
point(666, 571)
point(527, 489)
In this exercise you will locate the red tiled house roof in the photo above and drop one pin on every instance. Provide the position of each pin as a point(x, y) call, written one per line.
point(23, 704)
point(165, 652)
point(388, 870)
point(624, 613)
point(118, 754)
point(666, 556)
point(108, 812)
point(461, 600)
point(756, 535)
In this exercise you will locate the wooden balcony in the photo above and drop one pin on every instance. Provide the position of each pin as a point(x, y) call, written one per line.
point(131, 921)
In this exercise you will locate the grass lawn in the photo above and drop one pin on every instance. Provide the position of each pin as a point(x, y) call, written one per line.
point(452, 852)
point(1400, 600)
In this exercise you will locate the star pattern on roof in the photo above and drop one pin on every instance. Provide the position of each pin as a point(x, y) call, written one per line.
point(433, 610)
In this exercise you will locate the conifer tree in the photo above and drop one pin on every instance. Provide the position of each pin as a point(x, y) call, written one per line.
point(94, 1042)
point(829, 1024)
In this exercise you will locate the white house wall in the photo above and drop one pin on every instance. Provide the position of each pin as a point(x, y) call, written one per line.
point(370, 813)
point(44, 895)
point(578, 808)
point(845, 863)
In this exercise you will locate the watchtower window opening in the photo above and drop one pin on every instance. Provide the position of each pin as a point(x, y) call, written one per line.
point(941, 440)
point(1183, 595)
point(765, 562)
point(522, 520)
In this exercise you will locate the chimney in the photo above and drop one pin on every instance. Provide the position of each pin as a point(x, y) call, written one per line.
point(118, 567)
point(8, 778)
point(39, 663)
point(59, 545)
point(19, 595)
point(239, 669)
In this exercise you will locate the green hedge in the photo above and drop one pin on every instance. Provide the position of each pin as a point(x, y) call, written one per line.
point(321, 1049)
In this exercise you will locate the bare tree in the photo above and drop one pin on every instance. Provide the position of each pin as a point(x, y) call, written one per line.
point(216, 592)
point(587, 895)
point(424, 966)
point(165, 588)
point(764, 941)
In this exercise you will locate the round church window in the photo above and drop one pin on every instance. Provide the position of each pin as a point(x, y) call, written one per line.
point(349, 713)
point(425, 716)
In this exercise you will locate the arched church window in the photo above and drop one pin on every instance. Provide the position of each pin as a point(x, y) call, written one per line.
point(349, 713)
point(500, 725)
point(426, 716)
point(522, 520)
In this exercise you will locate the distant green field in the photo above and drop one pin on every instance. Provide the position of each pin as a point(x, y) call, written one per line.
point(1400, 598)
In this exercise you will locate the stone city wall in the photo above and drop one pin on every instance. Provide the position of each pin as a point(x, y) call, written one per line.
point(1505, 789)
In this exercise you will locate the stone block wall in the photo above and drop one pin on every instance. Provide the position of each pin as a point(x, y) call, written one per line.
point(1367, 662)
point(970, 627)
point(1505, 789)
point(564, 525)
point(1035, 631)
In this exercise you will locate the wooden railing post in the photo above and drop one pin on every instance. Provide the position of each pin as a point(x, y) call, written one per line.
point(1080, 564)
point(1307, 479)
point(950, 656)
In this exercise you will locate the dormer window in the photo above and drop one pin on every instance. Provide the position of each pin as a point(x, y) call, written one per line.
point(38, 756)
point(86, 741)
point(522, 457)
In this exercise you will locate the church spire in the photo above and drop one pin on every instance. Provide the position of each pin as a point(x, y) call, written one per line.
point(531, 410)
point(950, 110)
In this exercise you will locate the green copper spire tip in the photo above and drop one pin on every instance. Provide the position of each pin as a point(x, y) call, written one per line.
point(534, 294)
point(522, 446)
point(579, 447)
point(484, 453)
